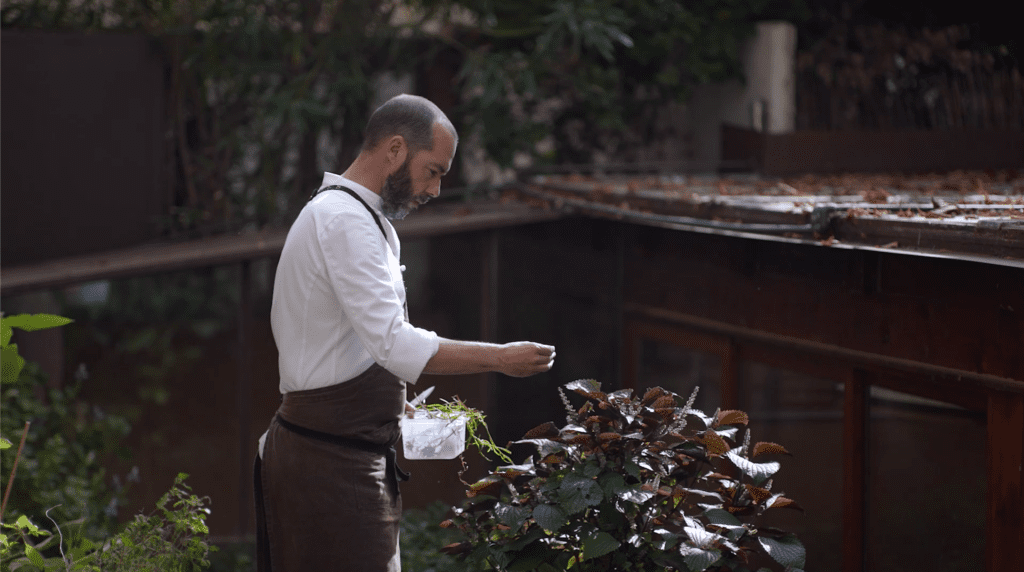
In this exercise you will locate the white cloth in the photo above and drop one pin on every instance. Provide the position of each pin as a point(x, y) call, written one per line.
point(339, 298)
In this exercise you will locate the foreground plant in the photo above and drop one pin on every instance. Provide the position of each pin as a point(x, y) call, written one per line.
point(630, 483)
point(173, 539)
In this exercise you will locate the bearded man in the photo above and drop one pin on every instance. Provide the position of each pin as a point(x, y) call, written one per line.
point(326, 481)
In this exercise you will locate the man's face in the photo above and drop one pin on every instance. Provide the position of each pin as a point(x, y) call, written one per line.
point(418, 179)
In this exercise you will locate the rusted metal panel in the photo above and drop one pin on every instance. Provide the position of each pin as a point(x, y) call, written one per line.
point(82, 144)
point(1004, 529)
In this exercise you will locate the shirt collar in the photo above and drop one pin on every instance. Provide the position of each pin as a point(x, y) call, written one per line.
point(371, 198)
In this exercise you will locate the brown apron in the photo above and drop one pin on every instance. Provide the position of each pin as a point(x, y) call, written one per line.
point(327, 485)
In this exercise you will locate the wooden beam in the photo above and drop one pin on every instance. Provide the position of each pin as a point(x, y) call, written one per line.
point(230, 249)
point(1004, 522)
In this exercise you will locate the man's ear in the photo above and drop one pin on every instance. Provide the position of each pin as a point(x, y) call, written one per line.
point(397, 150)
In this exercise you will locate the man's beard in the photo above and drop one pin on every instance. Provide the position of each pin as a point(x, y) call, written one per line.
point(397, 195)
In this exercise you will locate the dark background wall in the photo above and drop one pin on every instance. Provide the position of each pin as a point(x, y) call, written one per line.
point(82, 144)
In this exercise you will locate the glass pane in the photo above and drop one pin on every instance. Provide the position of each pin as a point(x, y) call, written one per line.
point(679, 370)
point(804, 414)
point(926, 485)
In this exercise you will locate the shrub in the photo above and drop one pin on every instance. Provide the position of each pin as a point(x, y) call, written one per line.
point(630, 483)
point(61, 465)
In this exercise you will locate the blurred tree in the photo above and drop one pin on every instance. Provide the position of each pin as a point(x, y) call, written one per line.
point(265, 94)
point(563, 81)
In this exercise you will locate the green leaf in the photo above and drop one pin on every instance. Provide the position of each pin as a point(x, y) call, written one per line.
point(35, 557)
point(25, 523)
point(33, 322)
point(577, 492)
point(12, 363)
point(5, 333)
point(613, 484)
point(721, 517)
point(598, 545)
point(549, 517)
point(5, 444)
point(787, 550)
point(512, 516)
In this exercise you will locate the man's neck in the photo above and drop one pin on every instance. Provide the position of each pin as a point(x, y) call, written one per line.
point(366, 174)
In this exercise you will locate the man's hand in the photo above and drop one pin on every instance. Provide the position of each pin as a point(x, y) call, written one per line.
point(521, 359)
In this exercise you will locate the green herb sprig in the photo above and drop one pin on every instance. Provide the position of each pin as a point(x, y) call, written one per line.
point(477, 432)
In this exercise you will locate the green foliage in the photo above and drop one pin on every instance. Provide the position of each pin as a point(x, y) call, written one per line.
point(421, 536)
point(264, 95)
point(61, 464)
point(12, 362)
point(171, 540)
point(255, 91)
point(630, 483)
point(590, 76)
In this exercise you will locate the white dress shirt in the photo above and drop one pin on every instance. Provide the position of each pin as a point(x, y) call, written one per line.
point(339, 298)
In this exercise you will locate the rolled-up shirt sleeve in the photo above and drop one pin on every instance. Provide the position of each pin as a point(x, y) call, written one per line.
point(363, 277)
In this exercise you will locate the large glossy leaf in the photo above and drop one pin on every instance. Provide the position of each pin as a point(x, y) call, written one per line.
point(598, 545)
point(698, 559)
point(612, 484)
point(512, 516)
point(545, 447)
point(577, 492)
point(587, 387)
point(549, 517)
point(757, 471)
point(700, 537)
point(721, 517)
point(786, 550)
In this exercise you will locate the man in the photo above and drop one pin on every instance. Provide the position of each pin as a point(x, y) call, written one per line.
point(326, 482)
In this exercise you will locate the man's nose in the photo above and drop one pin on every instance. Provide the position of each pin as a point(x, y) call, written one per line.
point(434, 190)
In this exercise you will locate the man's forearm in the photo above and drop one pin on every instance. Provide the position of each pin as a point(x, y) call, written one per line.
point(518, 359)
point(455, 357)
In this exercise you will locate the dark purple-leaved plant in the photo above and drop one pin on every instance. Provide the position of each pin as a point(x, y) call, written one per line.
point(630, 483)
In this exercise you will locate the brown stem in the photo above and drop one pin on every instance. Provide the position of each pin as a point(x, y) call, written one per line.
point(14, 469)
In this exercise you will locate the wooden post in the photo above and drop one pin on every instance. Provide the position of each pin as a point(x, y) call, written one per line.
point(730, 375)
point(243, 398)
point(855, 416)
point(1004, 519)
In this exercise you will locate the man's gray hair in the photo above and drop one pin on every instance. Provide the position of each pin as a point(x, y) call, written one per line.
point(411, 116)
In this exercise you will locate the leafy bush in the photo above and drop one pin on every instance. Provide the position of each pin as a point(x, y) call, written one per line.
point(170, 540)
point(637, 484)
point(61, 463)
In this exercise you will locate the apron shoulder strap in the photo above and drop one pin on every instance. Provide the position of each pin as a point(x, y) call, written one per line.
point(356, 196)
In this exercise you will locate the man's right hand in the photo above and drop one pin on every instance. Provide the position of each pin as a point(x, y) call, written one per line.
point(522, 359)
